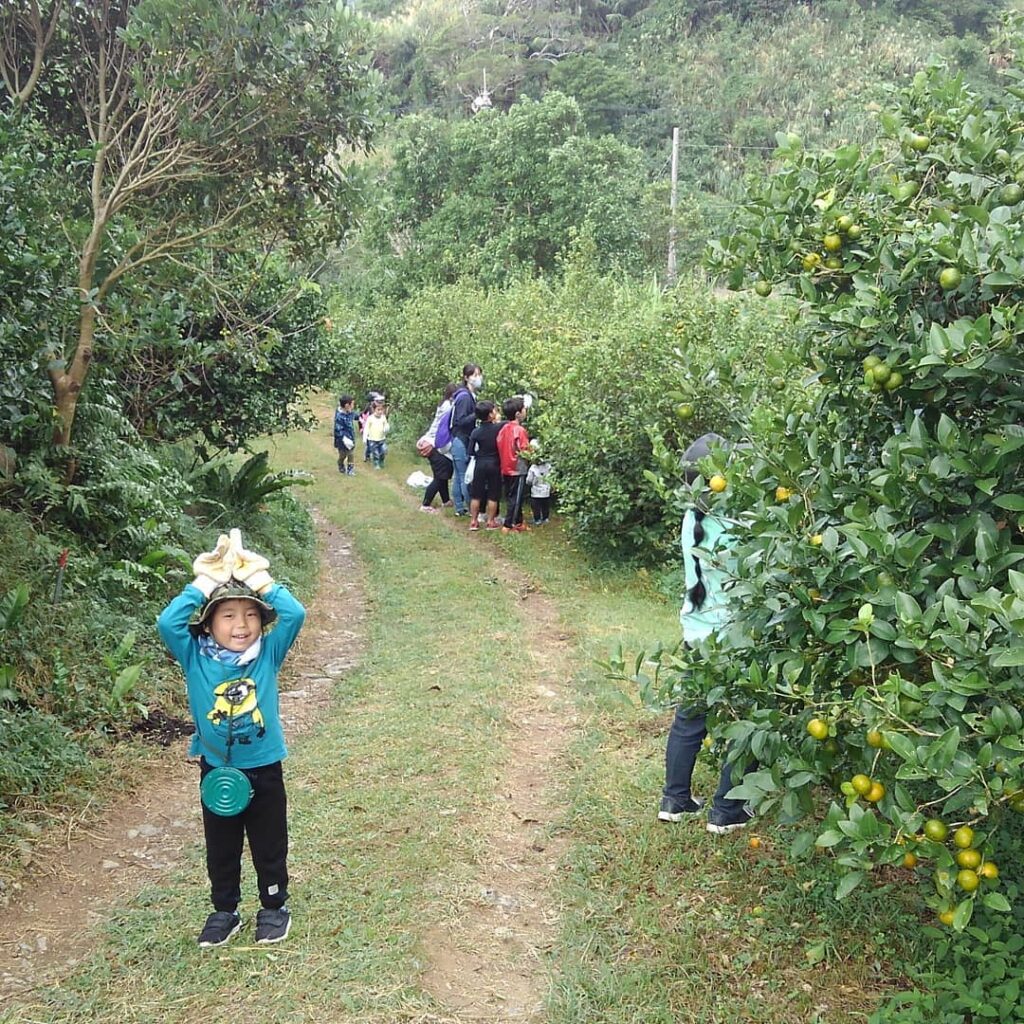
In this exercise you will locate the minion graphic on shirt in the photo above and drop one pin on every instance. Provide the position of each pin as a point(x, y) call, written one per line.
point(233, 700)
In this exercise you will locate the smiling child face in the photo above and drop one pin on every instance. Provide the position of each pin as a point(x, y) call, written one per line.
point(236, 623)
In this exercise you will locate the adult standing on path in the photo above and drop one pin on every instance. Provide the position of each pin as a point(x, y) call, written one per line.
point(463, 421)
point(438, 445)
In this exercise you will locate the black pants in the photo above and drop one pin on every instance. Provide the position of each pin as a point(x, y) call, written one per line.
point(265, 822)
point(442, 468)
point(515, 489)
point(541, 509)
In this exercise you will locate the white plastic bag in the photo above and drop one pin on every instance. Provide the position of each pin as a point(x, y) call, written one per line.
point(418, 479)
point(470, 471)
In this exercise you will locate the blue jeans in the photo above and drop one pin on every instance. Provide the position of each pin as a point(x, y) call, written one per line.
point(376, 450)
point(684, 744)
point(460, 492)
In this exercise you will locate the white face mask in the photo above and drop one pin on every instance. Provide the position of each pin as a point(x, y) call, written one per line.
point(476, 382)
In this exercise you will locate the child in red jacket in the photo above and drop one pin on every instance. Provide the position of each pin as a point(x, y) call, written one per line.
point(512, 439)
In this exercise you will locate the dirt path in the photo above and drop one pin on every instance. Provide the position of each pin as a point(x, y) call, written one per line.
point(101, 861)
point(490, 964)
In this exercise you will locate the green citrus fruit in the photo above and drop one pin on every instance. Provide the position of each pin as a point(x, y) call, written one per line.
point(920, 143)
point(818, 729)
point(1011, 195)
point(969, 859)
point(936, 830)
point(875, 739)
point(763, 288)
point(832, 242)
point(894, 381)
point(968, 880)
point(684, 411)
point(853, 232)
point(963, 837)
point(844, 223)
point(870, 362)
point(880, 373)
point(950, 278)
point(861, 783)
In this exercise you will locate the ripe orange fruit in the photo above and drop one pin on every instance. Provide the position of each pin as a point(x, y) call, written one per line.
point(968, 880)
point(963, 837)
point(936, 830)
point(755, 843)
point(818, 729)
point(717, 483)
point(946, 917)
point(909, 860)
point(875, 793)
point(861, 784)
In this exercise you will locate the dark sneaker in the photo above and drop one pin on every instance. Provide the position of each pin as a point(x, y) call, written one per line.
point(675, 810)
point(220, 926)
point(273, 925)
point(722, 823)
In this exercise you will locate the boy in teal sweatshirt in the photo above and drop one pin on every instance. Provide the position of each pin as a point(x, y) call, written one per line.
point(218, 630)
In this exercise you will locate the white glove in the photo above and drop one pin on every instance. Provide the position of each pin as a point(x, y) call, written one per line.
point(248, 567)
point(212, 568)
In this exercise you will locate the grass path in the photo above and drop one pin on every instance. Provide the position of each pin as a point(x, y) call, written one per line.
point(472, 826)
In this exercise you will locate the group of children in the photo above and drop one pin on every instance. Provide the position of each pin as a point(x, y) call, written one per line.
point(503, 458)
point(373, 425)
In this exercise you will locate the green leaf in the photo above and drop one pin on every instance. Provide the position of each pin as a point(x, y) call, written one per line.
point(1013, 502)
point(996, 901)
point(848, 883)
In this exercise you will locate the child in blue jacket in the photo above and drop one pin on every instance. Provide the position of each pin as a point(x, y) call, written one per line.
point(218, 630)
point(345, 434)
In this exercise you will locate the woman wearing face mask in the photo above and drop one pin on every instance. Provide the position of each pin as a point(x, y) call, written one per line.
point(462, 423)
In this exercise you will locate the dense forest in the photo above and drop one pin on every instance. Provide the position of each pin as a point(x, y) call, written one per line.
point(211, 210)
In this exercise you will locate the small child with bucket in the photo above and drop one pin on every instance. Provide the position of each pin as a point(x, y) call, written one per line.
point(217, 629)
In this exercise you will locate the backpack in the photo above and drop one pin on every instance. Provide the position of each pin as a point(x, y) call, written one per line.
point(444, 429)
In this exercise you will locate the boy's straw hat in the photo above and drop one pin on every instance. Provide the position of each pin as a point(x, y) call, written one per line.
point(225, 592)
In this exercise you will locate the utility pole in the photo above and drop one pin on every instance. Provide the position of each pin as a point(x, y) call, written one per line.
point(671, 276)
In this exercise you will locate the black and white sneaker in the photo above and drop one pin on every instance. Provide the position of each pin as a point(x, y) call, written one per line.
point(273, 925)
point(722, 823)
point(220, 926)
point(676, 810)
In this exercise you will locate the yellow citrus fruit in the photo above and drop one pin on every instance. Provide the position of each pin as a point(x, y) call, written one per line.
point(989, 869)
point(969, 859)
point(875, 793)
point(832, 242)
point(755, 843)
point(818, 729)
point(875, 739)
point(968, 880)
point(782, 493)
point(946, 917)
point(816, 539)
point(936, 830)
point(909, 860)
point(717, 483)
point(707, 743)
point(964, 837)
point(861, 784)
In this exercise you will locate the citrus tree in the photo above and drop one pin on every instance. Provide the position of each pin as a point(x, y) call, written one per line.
point(873, 671)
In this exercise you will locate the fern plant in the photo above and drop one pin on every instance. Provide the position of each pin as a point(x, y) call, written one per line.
point(12, 607)
point(247, 488)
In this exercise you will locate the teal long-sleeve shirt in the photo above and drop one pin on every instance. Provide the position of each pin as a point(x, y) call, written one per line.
point(244, 697)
